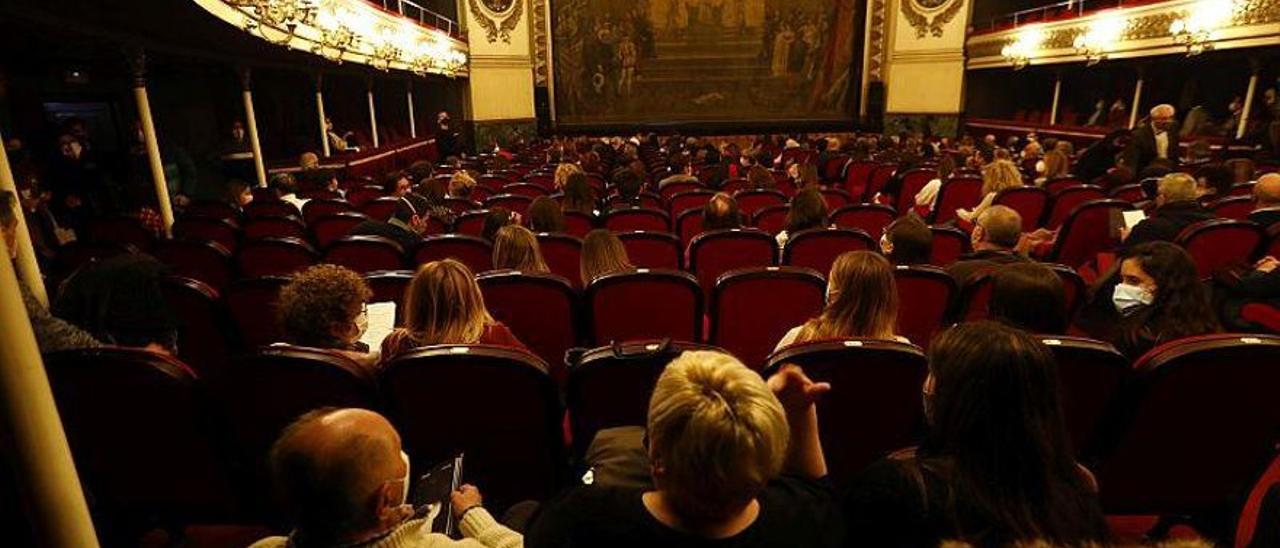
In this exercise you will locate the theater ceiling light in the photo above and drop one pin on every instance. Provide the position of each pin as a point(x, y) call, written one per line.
point(1020, 52)
point(346, 30)
point(1101, 37)
point(1198, 26)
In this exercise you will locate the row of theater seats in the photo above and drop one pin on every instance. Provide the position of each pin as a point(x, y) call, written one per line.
point(153, 438)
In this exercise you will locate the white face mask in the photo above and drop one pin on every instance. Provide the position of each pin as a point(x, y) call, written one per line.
point(404, 494)
point(1127, 298)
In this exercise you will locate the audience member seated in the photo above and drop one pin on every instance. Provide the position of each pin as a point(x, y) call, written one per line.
point(995, 466)
point(996, 176)
point(405, 227)
point(238, 194)
point(397, 184)
point(460, 185)
point(995, 239)
point(579, 196)
point(561, 177)
point(735, 461)
point(1030, 297)
point(118, 301)
point(803, 175)
point(1159, 299)
point(603, 253)
point(443, 305)
point(808, 210)
point(435, 191)
point(308, 161)
point(497, 218)
point(759, 178)
point(907, 241)
point(344, 479)
point(862, 302)
point(1176, 209)
point(52, 334)
point(545, 215)
point(682, 172)
point(516, 248)
point(928, 195)
point(1266, 200)
point(285, 187)
point(1055, 165)
point(1212, 183)
point(721, 212)
point(324, 307)
point(1259, 284)
point(629, 185)
point(420, 171)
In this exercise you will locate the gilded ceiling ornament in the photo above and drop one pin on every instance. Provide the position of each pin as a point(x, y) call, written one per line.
point(930, 16)
point(497, 17)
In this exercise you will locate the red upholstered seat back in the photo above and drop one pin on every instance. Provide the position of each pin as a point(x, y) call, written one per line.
point(274, 257)
point(563, 254)
point(224, 232)
point(252, 303)
point(949, 243)
point(364, 254)
point(751, 309)
point(637, 218)
point(1030, 203)
point(1086, 232)
point(1066, 201)
point(645, 304)
point(1221, 243)
point(869, 218)
point(205, 261)
point(818, 248)
point(751, 201)
point(540, 309)
point(1090, 373)
point(326, 230)
point(273, 227)
point(653, 249)
point(924, 298)
point(472, 251)
point(711, 254)
point(205, 332)
point(956, 193)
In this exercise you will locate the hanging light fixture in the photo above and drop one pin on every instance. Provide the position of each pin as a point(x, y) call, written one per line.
point(1020, 52)
point(1101, 37)
point(1198, 27)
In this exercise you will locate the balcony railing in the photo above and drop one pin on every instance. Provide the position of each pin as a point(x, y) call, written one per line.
point(1068, 9)
point(423, 16)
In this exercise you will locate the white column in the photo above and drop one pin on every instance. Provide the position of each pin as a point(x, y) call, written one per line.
point(373, 118)
point(259, 167)
point(1057, 93)
point(1248, 105)
point(1137, 100)
point(28, 267)
point(153, 145)
point(413, 124)
point(40, 451)
point(324, 133)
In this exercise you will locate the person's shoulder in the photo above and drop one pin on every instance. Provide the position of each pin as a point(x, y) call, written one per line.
point(271, 542)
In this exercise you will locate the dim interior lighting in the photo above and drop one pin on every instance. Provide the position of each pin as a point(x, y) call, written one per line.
point(1101, 37)
point(1024, 47)
point(1199, 25)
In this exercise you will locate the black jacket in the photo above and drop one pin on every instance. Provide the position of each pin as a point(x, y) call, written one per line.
point(1167, 222)
point(978, 262)
point(406, 238)
point(1266, 217)
point(1142, 147)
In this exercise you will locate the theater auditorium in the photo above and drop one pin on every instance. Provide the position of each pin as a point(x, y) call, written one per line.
point(640, 273)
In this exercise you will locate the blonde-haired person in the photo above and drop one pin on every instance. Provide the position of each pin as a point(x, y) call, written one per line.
point(516, 248)
point(862, 302)
point(603, 253)
point(735, 460)
point(461, 184)
point(996, 176)
point(563, 171)
point(443, 305)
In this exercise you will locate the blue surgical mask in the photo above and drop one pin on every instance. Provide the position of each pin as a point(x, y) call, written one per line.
point(1128, 298)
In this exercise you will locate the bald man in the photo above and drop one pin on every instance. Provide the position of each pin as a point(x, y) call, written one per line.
point(1156, 138)
point(1266, 200)
point(995, 235)
point(345, 482)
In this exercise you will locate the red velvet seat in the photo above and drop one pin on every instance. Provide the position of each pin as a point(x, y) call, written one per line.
point(684, 201)
point(317, 208)
point(869, 218)
point(818, 248)
point(648, 200)
point(563, 254)
point(389, 286)
point(364, 254)
point(857, 174)
point(476, 253)
point(653, 249)
point(1204, 404)
point(274, 257)
point(1087, 232)
point(510, 431)
point(1060, 184)
point(211, 208)
point(543, 180)
point(252, 304)
point(751, 309)
point(1273, 239)
point(874, 405)
point(270, 208)
point(1131, 193)
point(1030, 203)
point(326, 230)
point(751, 201)
point(771, 219)
point(542, 310)
point(1066, 201)
point(956, 193)
point(139, 429)
point(208, 229)
point(976, 295)
point(578, 224)
point(610, 386)
point(461, 205)
point(670, 190)
point(380, 208)
point(689, 225)
point(205, 261)
point(1233, 207)
point(913, 182)
point(644, 304)
point(924, 298)
point(637, 218)
point(1090, 374)
point(121, 230)
point(877, 179)
point(1242, 189)
point(949, 243)
point(1218, 244)
point(362, 195)
point(836, 198)
point(273, 227)
point(513, 202)
point(471, 223)
point(832, 167)
point(524, 189)
point(204, 327)
point(493, 182)
point(711, 254)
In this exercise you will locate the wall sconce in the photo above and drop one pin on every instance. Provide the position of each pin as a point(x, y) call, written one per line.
point(1100, 38)
point(1198, 26)
point(1025, 47)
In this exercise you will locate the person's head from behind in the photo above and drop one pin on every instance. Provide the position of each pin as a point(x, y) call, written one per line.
point(460, 184)
point(1056, 165)
point(628, 183)
point(1266, 192)
point(1000, 175)
point(907, 241)
point(808, 210)
point(516, 248)
point(561, 177)
point(1213, 182)
point(946, 166)
point(862, 299)
point(238, 193)
point(1162, 117)
point(804, 175)
point(1174, 188)
point(1028, 296)
point(443, 305)
point(420, 170)
point(309, 160)
point(342, 476)
point(497, 218)
point(434, 190)
point(717, 436)
point(284, 184)
point(996, 431)
point(1158, 167)
point(760, 178)
point(411, 214)
point(397, 184)
point(998, 228)
point(545, 215)
point(578, 194)
point(721, 212)
point(324, 307)
point(602, 253)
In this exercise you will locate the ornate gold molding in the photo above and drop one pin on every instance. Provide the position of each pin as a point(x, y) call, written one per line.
point(493, 29)
point(930, 19)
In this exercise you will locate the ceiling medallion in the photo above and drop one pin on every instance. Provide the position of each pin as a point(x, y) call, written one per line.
point(506, 11)
point(928, 17)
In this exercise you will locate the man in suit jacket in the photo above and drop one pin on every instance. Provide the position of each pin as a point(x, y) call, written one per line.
point(405, 227)
point(1157, 138)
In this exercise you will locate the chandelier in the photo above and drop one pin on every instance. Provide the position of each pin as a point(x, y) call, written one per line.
point(1197, 28)
point(283, 17)
point(1100, 38)
point(1019, 52)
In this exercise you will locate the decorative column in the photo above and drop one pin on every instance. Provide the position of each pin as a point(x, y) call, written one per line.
point(1057, 94)
point(1137, 100)
point(259, 167)
point(40, 451)
point(324, 133)
point(28, 267)
point(138, 65)
point(413, 124)
point(1248, 99)
point(373, 116)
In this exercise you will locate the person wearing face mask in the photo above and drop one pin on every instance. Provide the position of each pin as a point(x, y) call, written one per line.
point(1157, 138)
point(995, 466)
point(862, 302)
point(1176, 209)
point(344, 479)
point(324, 307)
point(1159, 299)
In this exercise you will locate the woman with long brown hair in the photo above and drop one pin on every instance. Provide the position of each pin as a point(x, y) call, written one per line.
point(862, 302)
point(808, 210)
point(443, 305)
point(516, 248)
point(603, 253)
